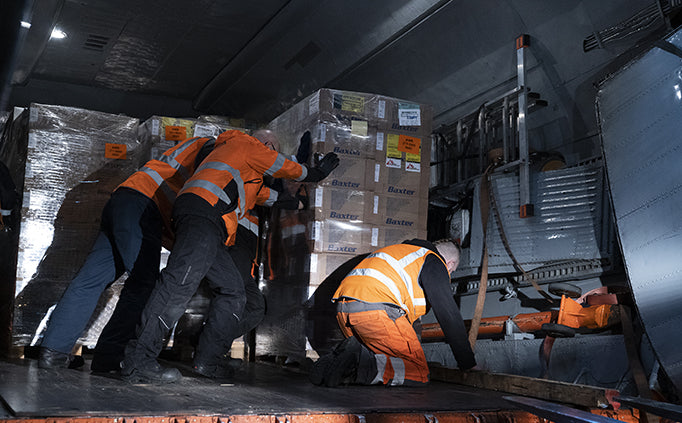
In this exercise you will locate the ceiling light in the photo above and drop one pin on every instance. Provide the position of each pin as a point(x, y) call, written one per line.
point(58, 33)
point(25, 24)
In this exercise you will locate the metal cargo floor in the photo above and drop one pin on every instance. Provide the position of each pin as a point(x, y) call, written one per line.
point(257, 389)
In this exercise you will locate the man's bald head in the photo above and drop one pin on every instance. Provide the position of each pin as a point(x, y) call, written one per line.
point(450, 252)
point(268, 138)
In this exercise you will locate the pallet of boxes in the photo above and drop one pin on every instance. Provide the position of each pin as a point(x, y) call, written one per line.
point(377, 196)
point(65, 162)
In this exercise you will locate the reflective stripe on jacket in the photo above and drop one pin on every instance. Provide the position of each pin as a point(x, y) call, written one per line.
point(389, 275)
point(161, 179)
point(266, 197)
point(230, 178)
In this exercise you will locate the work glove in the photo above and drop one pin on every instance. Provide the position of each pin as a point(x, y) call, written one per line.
point(328, 163)
point(304, 148)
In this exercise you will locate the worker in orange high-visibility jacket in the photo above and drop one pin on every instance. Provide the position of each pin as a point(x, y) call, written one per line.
point(377, 304)
point(132, 224)
point(206, 215)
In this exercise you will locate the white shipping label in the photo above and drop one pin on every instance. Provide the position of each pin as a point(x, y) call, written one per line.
point(381, 109)
point(318, 197)
point(394, 163)
point(375, 210)
point(413, 167)
point(380, 141)
point(155, 127)
point(409, 114)
point(375, 237)
point(32, 140)
point(201, 130)
point(314, 104)
point(322, 133)
point(313, 263)
point(377, 170)
point(317, 230)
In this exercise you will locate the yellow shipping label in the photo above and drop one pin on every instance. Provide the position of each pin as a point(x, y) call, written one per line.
point(115, 151)
point(392, 143)
point(359, 128)
point(349, 103)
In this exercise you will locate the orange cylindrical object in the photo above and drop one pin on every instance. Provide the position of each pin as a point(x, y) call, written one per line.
point(527, 322)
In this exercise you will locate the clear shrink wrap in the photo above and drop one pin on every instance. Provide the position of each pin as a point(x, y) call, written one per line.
point(66, 162)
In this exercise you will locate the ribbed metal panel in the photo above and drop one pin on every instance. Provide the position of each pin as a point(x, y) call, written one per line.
point(640, 114)
point(569, 221)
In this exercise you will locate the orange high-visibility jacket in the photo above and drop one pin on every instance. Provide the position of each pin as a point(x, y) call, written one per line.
point(162, 179)
point(266, 197)
point(239, 161)
point(389, 275)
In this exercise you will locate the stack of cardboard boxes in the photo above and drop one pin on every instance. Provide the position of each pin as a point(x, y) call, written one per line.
point(65, 162)
point(379, 193)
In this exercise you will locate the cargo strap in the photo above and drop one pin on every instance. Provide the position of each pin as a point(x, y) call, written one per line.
point(484, 203)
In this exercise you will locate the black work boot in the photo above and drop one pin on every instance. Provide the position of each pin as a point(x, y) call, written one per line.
point(148, 371)
point(51, 359)
point(338, 367)
point(105, 363)
point(213, 371)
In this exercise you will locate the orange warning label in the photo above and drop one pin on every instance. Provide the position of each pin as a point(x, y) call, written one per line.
point(115, 151)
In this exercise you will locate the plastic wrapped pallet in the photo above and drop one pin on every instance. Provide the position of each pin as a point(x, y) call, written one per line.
point(67, 161)
point(377, 196)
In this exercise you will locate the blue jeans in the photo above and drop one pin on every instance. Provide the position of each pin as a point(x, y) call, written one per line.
point(129, 240)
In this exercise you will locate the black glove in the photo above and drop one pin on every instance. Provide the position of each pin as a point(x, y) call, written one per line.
point(328, 163)
point(304, 148)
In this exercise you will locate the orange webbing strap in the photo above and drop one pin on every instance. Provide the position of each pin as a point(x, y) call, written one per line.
point(505, 242)
point(484, 202)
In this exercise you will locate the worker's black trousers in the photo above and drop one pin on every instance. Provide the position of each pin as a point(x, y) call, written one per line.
point(198, 252)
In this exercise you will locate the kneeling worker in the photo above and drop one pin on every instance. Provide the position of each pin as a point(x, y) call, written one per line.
point(377, 303)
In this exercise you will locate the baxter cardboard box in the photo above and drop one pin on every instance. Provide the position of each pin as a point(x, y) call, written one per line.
point(349, 138)
point(405, 117)
point(353, 174)
point(338, 236)
point(348, 205)
point(398, 180)
point(322, 265)
point(381, 236)
point(392, 209)
point(163, 132)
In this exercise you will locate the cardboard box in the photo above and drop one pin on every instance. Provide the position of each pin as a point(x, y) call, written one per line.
point(322, 265)
point(389, 180)
point(352, 174)
point(349, 138)
point(396, 210)
point(349, 205)
point(338, 236)
point(381, 236)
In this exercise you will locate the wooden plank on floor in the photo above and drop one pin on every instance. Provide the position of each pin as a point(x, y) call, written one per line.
point(550, 390)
